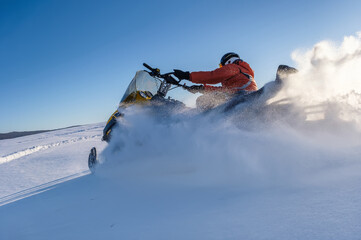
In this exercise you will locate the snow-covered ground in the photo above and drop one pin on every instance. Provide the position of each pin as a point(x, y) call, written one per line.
point(224, 183)
point(30, 161)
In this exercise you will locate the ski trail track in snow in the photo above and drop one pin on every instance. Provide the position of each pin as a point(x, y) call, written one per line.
point(34, 149)
point(26, 163)
point(39, 189)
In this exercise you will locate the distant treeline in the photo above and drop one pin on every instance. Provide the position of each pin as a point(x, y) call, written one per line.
point(25, 133)
point(19, 134)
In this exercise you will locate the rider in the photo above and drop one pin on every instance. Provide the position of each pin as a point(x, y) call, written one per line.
point(233, 74)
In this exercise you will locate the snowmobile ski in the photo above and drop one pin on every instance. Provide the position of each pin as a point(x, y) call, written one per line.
point(92, 160)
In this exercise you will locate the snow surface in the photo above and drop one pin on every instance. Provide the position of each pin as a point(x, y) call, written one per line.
point(286, 188)
point(29, 161)
point(251, 173)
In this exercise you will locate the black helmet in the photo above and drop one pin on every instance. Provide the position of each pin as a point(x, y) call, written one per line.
point(227, 57)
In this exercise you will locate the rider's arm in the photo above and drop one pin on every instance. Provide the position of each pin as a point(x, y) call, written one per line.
point(213, 77)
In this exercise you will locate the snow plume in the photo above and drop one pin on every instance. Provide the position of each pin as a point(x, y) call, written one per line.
point(288, 149)
point(201, 151)
point(329, 69)
point(330, 73)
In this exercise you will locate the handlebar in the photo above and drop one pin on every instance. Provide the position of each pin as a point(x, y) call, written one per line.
point(155, 72)
point(147, 66)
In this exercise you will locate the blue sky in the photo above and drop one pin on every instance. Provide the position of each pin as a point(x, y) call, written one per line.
point(68, 62)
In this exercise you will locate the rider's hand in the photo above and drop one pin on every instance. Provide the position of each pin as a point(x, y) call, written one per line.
point(181, 74)
point(196, 88)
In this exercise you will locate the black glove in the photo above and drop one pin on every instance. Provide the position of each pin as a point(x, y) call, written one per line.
point(181, 74)
point(196, 88)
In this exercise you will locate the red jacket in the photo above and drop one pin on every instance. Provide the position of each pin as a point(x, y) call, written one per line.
point(233, 77)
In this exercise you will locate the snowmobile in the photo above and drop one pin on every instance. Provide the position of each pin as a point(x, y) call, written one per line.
point(146, 88)
point(150, 88)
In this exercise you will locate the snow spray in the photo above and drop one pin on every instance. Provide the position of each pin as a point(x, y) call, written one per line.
point(314, 147)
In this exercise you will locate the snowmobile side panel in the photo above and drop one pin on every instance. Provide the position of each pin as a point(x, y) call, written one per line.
point(110, 124)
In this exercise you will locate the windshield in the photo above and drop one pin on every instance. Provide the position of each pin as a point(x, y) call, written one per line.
point(142, 82)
